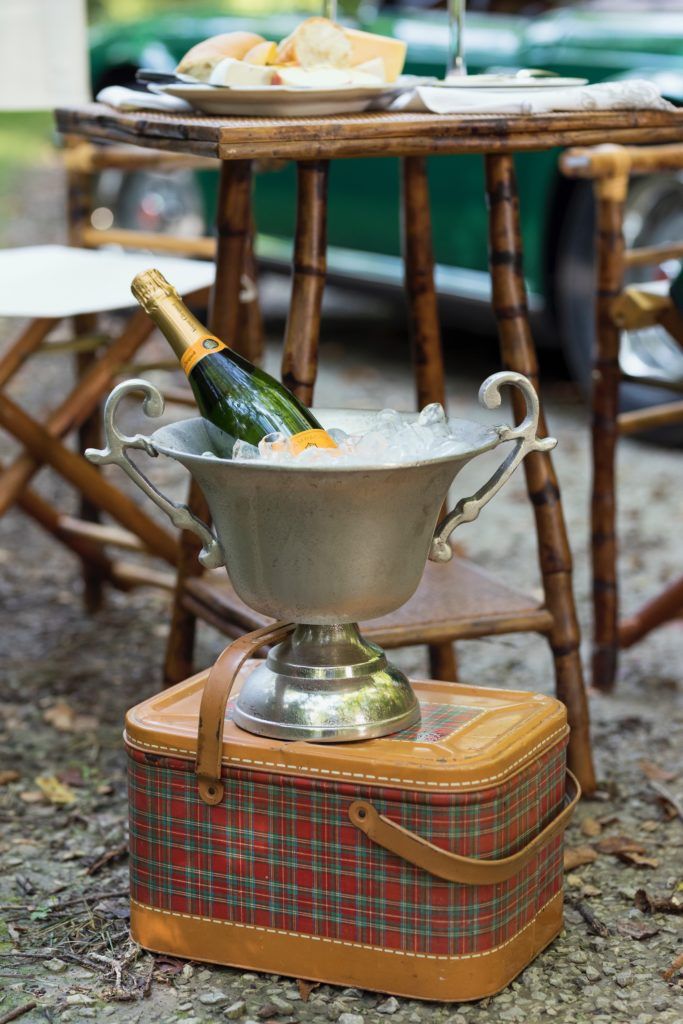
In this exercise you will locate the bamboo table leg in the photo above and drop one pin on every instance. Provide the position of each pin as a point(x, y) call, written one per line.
point(300, 355)
point(610, 195)
point(233, 220)
point(518, 353)
point(427, 352)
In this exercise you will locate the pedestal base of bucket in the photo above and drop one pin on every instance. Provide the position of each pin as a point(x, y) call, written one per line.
point(327, 684)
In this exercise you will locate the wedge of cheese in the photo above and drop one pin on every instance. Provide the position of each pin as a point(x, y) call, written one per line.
point(365, 46)
point(238, 72)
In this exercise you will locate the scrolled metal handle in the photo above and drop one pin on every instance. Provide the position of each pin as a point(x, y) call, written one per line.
point(467, 509)
point(180, 515)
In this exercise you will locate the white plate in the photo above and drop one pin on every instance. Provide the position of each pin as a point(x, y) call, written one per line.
point(283, 101)
point(503, 83)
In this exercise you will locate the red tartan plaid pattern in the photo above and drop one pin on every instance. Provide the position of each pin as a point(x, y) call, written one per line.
point(280, 852)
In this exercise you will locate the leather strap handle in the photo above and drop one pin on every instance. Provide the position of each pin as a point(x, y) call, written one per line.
point(451, 866)
point(215, 700)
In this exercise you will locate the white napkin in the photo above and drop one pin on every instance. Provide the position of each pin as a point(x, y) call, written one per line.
point(135, 99)
point(632, 94)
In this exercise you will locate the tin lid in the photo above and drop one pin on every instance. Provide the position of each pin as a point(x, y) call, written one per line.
point(469, 738)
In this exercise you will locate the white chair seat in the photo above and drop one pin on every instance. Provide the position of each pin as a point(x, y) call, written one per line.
point(59, 280)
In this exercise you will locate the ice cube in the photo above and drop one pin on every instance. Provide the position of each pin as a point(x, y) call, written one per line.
point(338, 435)
point(434, 418)
point(371, 446)
point(273, 446)
point(388, 421)
point(244, 452)
point(388, 440)
point(209, 455)
point(432, 414)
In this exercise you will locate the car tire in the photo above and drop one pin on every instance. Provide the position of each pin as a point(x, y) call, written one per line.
point(647, 220)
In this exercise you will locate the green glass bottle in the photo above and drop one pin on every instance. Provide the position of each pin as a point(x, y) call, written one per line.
point(240, 399)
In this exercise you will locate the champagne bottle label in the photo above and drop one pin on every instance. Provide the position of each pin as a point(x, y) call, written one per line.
point(197, 350)
point(310, 439)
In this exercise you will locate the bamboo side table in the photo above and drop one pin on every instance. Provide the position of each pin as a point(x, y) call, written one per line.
point(312, 142)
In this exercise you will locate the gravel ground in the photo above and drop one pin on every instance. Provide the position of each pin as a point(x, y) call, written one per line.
point(67, 679)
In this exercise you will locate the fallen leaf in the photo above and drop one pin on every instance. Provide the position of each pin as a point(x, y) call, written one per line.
point(7, 776)
point(654, 773)
point(575, 856)
point(669, 809)
point(55, 791)
point(591, 890)
point(649, 825)
point(676, 966)
point(305, 988)
point(667, 800)
point(591, 827)
point(168, 965)
point(638, 930)
point(619, 844)
point(573, 881)
point(62, 717)
point(668, 904)
point(71, 777)
point(637, 859)
point(31, 796)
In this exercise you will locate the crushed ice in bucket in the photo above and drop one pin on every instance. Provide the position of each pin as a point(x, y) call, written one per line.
point(387, 441)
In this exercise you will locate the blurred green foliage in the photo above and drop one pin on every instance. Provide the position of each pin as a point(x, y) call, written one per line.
point(25, 139)
point(130, 10)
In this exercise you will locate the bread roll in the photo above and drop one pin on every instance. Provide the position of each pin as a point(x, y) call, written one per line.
point(203, 58)
point(262, 53)
point(316, 42)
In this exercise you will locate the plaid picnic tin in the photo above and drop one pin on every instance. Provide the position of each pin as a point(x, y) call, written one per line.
point(426, 864)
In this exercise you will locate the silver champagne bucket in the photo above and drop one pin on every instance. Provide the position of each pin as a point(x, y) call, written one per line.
point(324, 547)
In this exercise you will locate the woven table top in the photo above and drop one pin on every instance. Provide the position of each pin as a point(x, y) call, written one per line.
point(378, 133)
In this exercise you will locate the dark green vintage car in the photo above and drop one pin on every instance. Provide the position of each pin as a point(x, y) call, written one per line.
point(600, 41)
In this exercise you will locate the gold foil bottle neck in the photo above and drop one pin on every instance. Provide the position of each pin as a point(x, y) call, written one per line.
point(150, 287)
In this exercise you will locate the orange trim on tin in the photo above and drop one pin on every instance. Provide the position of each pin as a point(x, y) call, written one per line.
point(338, 962)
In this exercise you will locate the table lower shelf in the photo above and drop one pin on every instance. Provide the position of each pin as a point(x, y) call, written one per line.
point(456, 600)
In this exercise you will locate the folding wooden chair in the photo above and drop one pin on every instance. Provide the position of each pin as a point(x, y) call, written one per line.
point(621, 308)
point(53, 283)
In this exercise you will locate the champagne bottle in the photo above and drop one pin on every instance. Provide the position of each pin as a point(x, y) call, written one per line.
point(240, 399)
